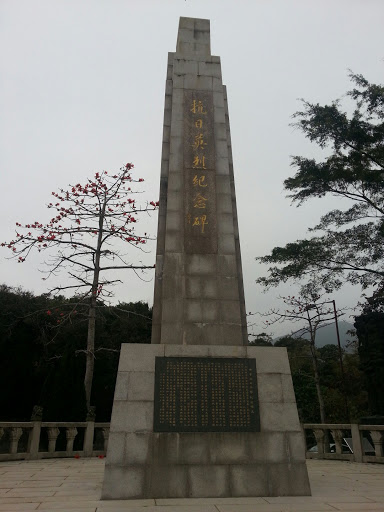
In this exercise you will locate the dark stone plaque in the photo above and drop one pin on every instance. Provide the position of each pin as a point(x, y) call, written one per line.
point(205, 395)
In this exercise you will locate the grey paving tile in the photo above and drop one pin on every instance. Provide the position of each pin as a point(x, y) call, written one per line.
point(357, 506)
point(209, 501)
point(40, 477)
point(315, 499)
point(375, 497)
point(94, 494)
point(70, 506)
point(33, 484)
point(9, 484)
point(28, 493)
point(63, 508)
point(18, 506)
point(128, 508)
point(165, 508)
point(16, 475)
point(110, 504)
point(11, 501)
point(274, 507)
point(68, 499)
point(27, 485)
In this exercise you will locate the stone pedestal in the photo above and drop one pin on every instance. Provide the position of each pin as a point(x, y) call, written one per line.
point(142, 463)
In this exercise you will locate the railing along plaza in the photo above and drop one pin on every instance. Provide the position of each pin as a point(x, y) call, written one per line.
point(41, 439)
point(345, 441)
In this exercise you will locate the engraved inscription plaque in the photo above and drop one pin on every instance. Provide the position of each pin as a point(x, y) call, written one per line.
point(205, 395)
point(199, 173)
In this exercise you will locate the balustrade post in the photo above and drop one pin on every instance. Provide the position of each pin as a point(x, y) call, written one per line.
point(15, 434)
point(34, 433)
point(1, 432)
point(338, 438)
point(377, 438)
point(357, 443)
point(53, 434)
point(71, 433)
point(88, 438)
point(319, 436)
point(34, 440)
point(89, 432)
point(105, 432)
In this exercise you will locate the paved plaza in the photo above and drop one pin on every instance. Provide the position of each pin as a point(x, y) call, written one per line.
point(75, 485)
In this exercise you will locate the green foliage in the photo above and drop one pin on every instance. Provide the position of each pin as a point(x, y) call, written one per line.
point(356, 387)
point(300, 360)
point(348, 246)
point(330, 379)
point(261, 340)
point(370, 332)
point(42, 354)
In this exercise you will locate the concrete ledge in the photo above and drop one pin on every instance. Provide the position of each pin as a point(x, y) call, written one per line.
point(270, 359)
point(137, 357)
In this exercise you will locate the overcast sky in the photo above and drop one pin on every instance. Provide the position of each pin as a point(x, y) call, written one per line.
point(82, 90)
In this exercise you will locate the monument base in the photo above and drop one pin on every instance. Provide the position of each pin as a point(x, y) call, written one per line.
point(142, 463)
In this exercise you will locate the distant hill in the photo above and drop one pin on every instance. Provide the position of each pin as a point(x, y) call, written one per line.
point(327, 335)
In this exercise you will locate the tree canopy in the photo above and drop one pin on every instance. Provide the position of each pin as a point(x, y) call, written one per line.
point(347, 245)
point(43, 361)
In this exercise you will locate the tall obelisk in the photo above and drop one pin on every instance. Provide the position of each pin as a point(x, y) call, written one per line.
point(199, 296)
point(198, 413)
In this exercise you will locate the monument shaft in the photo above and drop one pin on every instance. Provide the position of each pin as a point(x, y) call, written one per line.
point(199, 296)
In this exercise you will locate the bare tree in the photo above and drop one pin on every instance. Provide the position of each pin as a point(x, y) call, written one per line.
point(312, 314)
point(81, 240)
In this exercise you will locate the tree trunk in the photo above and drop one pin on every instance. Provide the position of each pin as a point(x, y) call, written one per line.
point(90, 358)
point(320, 396)
point(312, 333)
point(317, 383)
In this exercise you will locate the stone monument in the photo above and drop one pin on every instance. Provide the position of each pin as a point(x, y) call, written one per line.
point(198, 413)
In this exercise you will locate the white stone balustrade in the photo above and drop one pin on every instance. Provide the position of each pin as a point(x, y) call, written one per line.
point(14, 436)
point(360, 453)
point(37, 447)
point(71, 433)
point(337, 435)
point(105, 432)
point(53, 434)
point(377, 438)
point(319, 434)
point(11, 432)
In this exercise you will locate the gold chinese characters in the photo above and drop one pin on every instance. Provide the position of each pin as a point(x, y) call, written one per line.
point(199, 181)
point(197, 107)
point(200, 221)
point(199, 162)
